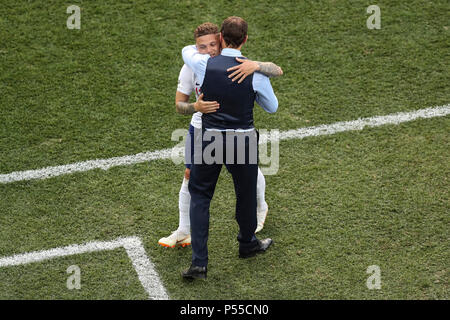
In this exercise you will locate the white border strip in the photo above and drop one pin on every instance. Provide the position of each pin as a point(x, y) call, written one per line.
point(360, 124)
point(300, 133)
point(133, 246)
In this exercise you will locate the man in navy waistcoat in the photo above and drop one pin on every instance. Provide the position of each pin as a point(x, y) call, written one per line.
point(228, 136)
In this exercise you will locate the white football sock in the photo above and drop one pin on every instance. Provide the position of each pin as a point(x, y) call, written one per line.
point(184, 202)
point(261, 204)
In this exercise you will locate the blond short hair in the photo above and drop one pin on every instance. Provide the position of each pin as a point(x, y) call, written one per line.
point(205, 29)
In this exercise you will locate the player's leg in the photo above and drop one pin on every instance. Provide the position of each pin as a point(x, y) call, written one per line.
point(261, 204)
point(184, 201)
point(182, 236)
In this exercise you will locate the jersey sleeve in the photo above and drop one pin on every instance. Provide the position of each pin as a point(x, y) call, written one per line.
point(185, 83)
point(196, 61)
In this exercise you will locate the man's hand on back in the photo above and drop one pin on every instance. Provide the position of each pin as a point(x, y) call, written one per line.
point(241, 71)
point(206, 106)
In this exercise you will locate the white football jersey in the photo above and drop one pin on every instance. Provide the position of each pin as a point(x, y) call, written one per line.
point(186, 84)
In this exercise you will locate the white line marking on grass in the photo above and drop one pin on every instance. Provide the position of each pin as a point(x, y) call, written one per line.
point(133, 246)
point(104, 164)
point(145, 269)
point(360, 124)
point(326, 129)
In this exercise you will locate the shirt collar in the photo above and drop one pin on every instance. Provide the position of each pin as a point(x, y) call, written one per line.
point(230, 52)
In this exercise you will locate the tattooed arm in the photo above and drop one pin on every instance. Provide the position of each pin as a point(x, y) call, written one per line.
point(269, 69)
point(182, 104)
point(184, 107)
point(247, 67)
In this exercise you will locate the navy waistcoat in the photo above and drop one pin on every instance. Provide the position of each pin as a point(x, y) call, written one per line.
point(236, 100)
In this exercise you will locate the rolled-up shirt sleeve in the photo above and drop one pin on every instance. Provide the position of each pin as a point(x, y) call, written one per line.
point(196, 61)
point(265, 96)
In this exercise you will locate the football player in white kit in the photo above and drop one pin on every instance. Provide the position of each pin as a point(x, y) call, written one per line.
point(207, 41)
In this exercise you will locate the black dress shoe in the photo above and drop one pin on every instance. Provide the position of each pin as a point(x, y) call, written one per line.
point(194, 272)
point(262, 246)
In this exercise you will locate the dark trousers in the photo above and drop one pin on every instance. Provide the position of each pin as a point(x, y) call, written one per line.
point(202, 183)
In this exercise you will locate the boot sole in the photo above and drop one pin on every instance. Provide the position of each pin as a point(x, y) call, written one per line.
point(177, 245)
point(201, 277)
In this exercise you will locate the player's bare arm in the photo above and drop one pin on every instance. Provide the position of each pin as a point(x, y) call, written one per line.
point(269, 69)
point(185, 108)
point(182, 104)
point(247, 67)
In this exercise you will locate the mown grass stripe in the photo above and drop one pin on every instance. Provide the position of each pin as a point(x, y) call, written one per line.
point(325, 129)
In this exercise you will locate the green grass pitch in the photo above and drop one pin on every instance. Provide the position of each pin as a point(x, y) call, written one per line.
point(338, 203)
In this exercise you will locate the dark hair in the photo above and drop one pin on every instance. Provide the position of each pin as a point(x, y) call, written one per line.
point(234, 31)
point(205, 29)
